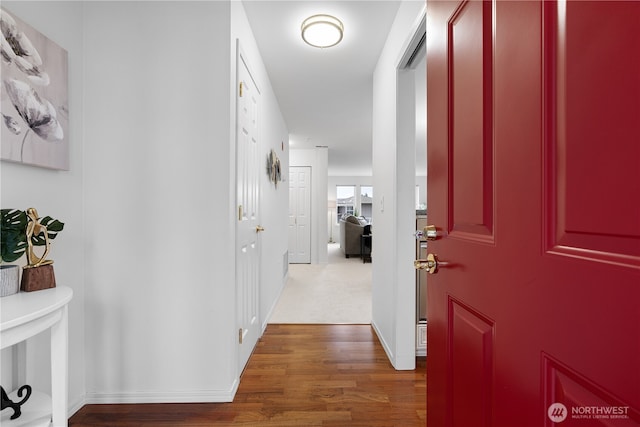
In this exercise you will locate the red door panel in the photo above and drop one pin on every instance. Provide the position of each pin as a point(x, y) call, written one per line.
point(534, 175)
point(471, 341)
point(471, 116)
point(593, 109)
point(592, 153)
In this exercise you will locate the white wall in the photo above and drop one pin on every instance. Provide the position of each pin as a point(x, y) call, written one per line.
point(56, 193)
point(152, 158)
point(393, 287)
point(161, 181)
point(159, 202)
point(318, 159)
point(274, 201)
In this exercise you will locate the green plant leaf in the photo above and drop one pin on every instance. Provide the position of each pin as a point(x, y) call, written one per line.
point(13, 239)
point(13, 233)
point(53, 228)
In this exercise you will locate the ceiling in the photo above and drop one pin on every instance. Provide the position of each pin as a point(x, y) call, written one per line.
point(325, 95)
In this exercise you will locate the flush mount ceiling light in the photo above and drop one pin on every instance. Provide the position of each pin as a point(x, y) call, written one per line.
point(322, 31)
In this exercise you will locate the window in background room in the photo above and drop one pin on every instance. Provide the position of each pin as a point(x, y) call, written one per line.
point(346, 200)
point(366, 202)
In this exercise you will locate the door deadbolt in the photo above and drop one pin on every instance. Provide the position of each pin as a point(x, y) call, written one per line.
point(431, 232)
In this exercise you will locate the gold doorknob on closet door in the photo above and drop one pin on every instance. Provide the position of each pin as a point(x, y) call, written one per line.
point(259, 229)
point(431, 264)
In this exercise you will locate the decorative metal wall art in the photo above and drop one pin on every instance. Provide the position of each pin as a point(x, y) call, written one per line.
point(274, 168)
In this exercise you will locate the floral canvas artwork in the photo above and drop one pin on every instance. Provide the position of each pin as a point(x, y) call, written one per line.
point(33, 96)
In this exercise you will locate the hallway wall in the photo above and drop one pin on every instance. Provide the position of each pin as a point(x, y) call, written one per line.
point(160, 277)
point(164, 323)
point(58, 194)
point(393, 289)
point(149, 202)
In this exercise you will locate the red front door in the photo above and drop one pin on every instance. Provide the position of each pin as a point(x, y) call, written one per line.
point(534, 182)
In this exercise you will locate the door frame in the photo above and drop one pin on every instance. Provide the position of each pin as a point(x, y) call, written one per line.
point(405, 312)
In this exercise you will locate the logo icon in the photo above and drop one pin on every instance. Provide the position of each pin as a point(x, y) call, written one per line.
point(557, 412)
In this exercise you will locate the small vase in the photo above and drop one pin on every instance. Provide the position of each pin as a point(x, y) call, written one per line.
point(9, 279)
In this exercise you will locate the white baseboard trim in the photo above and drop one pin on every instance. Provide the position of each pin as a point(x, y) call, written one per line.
point(384, 343)
point(405, 363)
point(76, 406)
point(203, 396)
point(275, 303)
point(400, 363)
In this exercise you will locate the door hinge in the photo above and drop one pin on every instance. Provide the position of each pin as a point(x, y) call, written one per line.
point(240, 89)
point(240, 335)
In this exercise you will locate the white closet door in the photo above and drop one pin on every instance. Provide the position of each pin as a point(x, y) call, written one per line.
point(300, 214)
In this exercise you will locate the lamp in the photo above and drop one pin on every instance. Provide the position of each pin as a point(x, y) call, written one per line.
point(322, 31)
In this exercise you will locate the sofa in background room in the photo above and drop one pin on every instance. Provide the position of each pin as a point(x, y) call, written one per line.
point(351, 228)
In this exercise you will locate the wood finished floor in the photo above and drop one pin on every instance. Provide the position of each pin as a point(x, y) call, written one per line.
point(299, 375)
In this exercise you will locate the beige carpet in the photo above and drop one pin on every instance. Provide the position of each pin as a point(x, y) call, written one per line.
point(337, 292)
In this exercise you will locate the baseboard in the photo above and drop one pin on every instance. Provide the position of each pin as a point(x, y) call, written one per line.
point(76, 406)
point(405, 363)
point(384, 343)
point(400, 363)
point(275, 303)
point(204, 396)
point(268, 316)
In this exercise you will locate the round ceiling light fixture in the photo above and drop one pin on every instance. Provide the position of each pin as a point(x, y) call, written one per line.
point(322, 31)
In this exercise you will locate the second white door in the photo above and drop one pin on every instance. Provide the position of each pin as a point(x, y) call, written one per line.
point(300, 214)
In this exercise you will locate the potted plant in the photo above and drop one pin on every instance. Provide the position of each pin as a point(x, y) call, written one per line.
point(14, 227)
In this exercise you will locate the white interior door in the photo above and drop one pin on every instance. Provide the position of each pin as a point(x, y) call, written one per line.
point(300, 214)
point(248, 228)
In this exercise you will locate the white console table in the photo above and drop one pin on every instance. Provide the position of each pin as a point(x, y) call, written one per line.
point(24, 315)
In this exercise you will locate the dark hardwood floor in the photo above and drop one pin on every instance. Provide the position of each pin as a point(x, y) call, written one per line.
point(299, 375)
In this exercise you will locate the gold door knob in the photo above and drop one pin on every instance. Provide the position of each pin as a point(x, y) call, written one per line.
point(259, 229)
point(431, 232)
point(431, 264)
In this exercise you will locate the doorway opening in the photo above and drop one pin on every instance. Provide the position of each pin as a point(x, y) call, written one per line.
point(411, 176)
